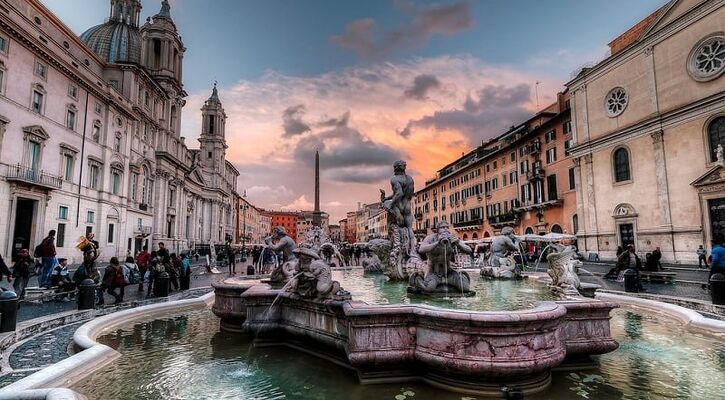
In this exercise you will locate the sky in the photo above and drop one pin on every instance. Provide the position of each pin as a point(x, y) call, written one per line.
point(369, 82)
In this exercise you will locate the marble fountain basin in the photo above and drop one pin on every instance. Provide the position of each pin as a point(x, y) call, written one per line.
point(465, 351)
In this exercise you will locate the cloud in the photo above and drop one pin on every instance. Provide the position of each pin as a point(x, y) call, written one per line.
point(353, 115)
point(347, 149)
point(292, 121)
point(421, 85)
point(365, 38)
point(495, 108)
point(299, 204)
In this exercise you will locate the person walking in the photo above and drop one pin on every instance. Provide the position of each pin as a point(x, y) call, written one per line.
point(112, 279)
point(46, 251)
point(142, 261)
point(21, 272)
point(717, 265)
point(702, 257)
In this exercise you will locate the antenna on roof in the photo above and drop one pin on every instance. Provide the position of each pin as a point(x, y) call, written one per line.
point(537, 95)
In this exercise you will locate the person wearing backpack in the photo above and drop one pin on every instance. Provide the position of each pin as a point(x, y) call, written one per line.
point(46, 251)
point(21, 272)
point(131, 272)
point(112, 279)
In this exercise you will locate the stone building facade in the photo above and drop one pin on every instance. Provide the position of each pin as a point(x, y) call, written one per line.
point(647, 124)
point(90, 136)
point(522, 178)
point(248, 223)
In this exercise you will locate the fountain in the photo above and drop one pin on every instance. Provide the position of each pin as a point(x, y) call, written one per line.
point(460, 350)
point(501, 266)
point(440, 277)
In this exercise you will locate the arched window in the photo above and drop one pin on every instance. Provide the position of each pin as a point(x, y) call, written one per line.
point(475, 235)
point(465, 236)
point(486, 234)
point(716, 135)
point(529, 231)
point(575, 223)
point(556, 229)
point(621, 165)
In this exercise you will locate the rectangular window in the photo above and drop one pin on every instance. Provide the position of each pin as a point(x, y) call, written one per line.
point(117, 144)
point(134, 185)
point(495, 165)
point(567, 127)
point(89, 229)
point(63, 212)
point(146, 99)
point(572, 181)
point(73, 91)
point(513, 177)
point(551, 188)
point(41, 70)
point(110, 233)
point(115, 183)
point(93, 176)
point(60, 236)
point(34, 156)
point(37, 104)
point(70, 119)
point(68, 167)
point(2, 81)
point(551, 155)
point(3, 45)
point(550, 136)
point(513, 156)
point(209, 155)
point(503, 180)
point(98, 108)
point(90, 217)
point(568, 144)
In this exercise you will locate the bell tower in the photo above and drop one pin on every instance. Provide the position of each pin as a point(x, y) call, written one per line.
point(212, 141)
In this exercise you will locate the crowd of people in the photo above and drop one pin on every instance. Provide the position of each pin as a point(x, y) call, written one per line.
point(54, 275)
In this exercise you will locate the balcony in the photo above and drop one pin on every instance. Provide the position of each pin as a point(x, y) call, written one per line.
point(472, 224)
point(530, 206)
point(534, 148)
point(509, 218)
point(142, 230)
point(536, 173)
point(17, 173)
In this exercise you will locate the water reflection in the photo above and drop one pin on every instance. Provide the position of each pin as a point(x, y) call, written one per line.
point(187, 357)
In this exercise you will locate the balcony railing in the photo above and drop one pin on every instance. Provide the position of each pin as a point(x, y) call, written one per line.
point(467, 224)
point(142, 230)
point(536, 173)
point(504, 219)
point(19, 173)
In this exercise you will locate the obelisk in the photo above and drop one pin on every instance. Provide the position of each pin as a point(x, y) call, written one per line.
point(317, 214)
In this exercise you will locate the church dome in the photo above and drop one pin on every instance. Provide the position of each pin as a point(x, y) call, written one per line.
point(118, 39)
point(114, 41)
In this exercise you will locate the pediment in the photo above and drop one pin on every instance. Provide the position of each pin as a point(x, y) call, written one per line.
point(196, 176)
point(713, 176)
point(670, 12)
point(36, 131)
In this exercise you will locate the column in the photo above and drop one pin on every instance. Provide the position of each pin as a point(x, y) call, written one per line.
point(663, 194)
point(579, 195)
point(591, 198)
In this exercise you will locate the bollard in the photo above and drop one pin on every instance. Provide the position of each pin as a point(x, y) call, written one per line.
point(8, 311)
point(185, 281)
point(630, 281)
point(87, 294)
point(250, 270)
point(717, 289)
point(161, 286)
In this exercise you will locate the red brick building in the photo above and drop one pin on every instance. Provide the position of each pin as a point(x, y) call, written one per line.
point(285, 219)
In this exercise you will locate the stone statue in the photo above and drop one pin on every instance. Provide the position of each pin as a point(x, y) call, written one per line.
point(312, 278)
point(563, 270)
point(501, 266)
point(400, 217)
point(440, 275)
point(719, 154)
point(285, 245)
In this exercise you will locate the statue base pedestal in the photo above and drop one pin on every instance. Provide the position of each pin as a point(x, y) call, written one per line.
point(440, 293)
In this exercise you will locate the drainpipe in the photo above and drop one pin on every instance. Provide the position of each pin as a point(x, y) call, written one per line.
point(83, 151)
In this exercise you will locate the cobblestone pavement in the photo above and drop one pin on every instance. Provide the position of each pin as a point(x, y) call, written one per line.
point(29, 310)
